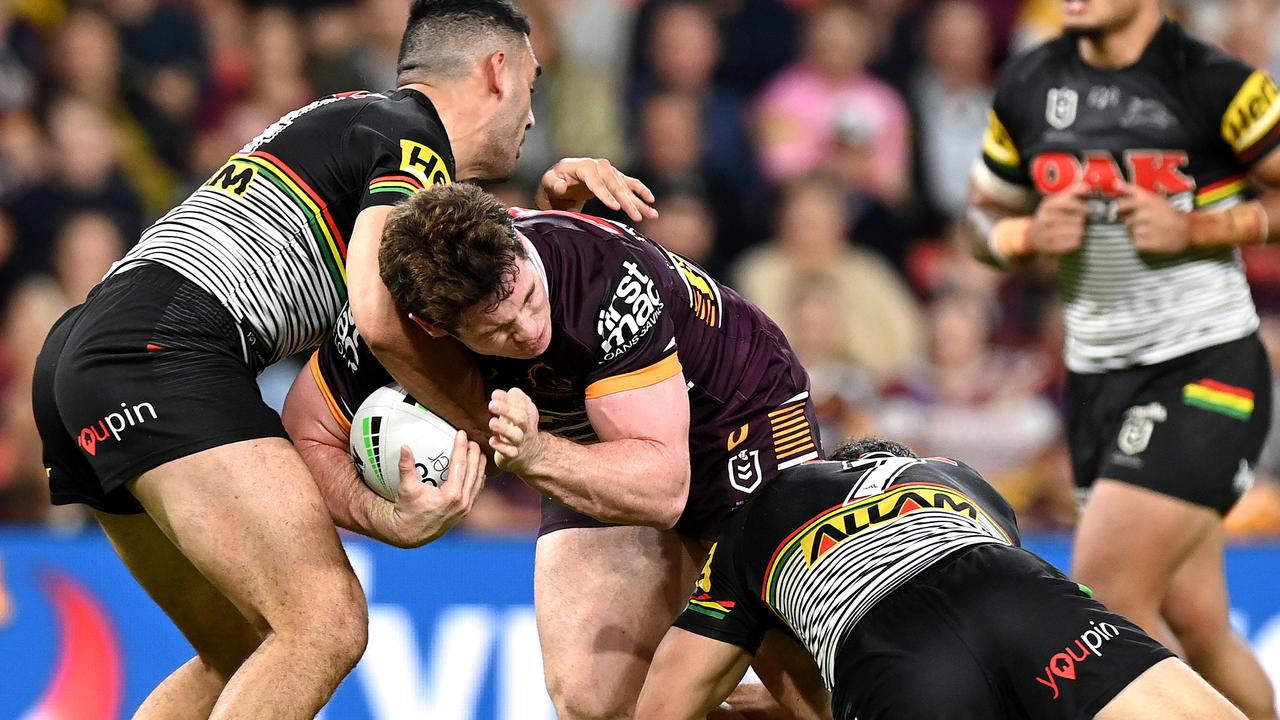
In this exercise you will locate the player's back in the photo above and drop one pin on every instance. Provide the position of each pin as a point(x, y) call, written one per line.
point(267, 233)
point(824, 542)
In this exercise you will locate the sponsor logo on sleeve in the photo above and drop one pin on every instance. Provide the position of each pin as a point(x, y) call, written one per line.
point(423, 163)
point(233, 178)
point(629, 311)
point(1253, 112)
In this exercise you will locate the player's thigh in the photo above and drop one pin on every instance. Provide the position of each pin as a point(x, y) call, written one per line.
point(604, 597)
point(1196, 606)
point(1131, 539)
point(249, 516)
point(221, 636)
point(1169, 690)
point(792, 677)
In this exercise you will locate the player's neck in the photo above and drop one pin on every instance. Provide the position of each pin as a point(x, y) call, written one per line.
point(1121, 47)
point(465, 130)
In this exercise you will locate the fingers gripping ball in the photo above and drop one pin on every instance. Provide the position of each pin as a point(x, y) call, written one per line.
point(388, 419)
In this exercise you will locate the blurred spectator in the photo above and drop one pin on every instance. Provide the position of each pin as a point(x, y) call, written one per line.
point(85, 175)
point(576, 106)
point(852, 160)
point(686, 228)
point(879, 318)
point(335, 50)
point(164, 71)
point(19, 55)
point(802, 109)
point(279, 81)
point(843, 395)
point(757, 40)
point(950, 96)
point(86, 246)
point(671, 148)
point(382, 25)
point(684, 51)
point(89, 68)
point(973, 402)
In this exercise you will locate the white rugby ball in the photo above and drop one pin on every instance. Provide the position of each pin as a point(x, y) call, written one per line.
point(387, 419)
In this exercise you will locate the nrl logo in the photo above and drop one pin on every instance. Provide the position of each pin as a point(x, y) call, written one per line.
point(1139, 421)
point(1060, 107)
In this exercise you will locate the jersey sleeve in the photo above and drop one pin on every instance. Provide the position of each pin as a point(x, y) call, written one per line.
point(634, 335)
point(1244, 106)
point(999, 149)
point(399, 157)
point(721, 608)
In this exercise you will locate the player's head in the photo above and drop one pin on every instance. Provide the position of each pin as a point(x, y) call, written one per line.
point(854, 449)
point(1091, 17)
point(482, 47)
point(452, 258)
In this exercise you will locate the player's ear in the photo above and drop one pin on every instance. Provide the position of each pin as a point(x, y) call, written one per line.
point(427, 327)
point(494, 66)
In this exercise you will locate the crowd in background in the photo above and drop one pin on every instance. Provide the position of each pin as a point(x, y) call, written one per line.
point(813, 154)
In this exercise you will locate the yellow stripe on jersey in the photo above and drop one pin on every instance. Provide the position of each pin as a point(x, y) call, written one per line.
point(998, 145)
point(665, 368)
point(1253, 112)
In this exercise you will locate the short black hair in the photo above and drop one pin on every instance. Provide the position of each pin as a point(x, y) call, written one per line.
point(853, 449)
point(441, 33)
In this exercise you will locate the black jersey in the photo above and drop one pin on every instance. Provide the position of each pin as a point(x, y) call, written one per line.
point(267, 234)
point(627, 314)
point(818, 547)
point(1186, 121)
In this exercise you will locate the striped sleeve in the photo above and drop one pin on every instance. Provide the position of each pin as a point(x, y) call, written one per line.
point(1000, 154)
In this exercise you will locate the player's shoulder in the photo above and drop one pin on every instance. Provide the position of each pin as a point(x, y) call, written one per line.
point(1189, 54)
point(1032, 64)
point(580, 239)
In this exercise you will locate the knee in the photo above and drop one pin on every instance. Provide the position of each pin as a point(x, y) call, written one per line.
point(334, 623)
point(580, 698)
point(1199, 633)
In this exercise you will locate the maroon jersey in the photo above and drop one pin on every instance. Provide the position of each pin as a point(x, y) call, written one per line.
point(627, 314)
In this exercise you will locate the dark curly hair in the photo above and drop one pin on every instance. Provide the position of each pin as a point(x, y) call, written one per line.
point(852, 449)
point(447, 250)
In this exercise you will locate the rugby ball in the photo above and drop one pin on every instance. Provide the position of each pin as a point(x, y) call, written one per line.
point(387, 419)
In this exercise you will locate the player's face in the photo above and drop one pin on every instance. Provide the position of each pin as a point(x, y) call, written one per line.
point(1094, 16)
point(514, 116)
point(519, 327)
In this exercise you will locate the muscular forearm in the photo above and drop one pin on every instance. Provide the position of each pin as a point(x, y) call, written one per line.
point(629, 481)
point(351, 505)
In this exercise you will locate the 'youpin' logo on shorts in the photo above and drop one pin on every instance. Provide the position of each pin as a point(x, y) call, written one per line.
point(110, 426)
point(1063, 664)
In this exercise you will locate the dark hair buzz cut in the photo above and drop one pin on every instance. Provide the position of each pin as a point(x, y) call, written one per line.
point(441, 34)
point(854, 449)
point(447, 250)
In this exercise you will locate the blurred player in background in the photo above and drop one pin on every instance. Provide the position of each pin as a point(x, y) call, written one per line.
point(665, 400)
point(1124, 149)
point(145, 396)
point(902, 577)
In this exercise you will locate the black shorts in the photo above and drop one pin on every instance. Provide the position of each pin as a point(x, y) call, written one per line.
point(150, 369)
point(989, 633)
point(1190, 427)
point(770, 440)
